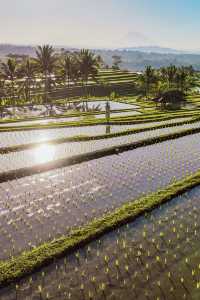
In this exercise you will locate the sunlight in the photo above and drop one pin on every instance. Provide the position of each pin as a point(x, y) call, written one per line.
point(44, 153)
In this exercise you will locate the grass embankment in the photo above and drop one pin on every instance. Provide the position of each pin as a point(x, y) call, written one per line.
point(81, 138)
point(30, 261)
point(76, 159)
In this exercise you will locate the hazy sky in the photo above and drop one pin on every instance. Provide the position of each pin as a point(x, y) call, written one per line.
point(170, 23)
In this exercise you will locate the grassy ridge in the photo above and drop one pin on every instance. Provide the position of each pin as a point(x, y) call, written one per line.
point(30, 261)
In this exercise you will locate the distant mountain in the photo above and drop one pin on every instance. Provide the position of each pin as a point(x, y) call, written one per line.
point(6, 49)
point(133, 58)
point(155, 49)
point(138, 60)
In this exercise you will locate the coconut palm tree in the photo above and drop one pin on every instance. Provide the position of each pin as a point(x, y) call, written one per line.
point(100, 61)
point(190, 70)
point(27, 71)
point(88, 64)
point(2, 93)
point(171, 73)
point(147, 79)
point(117, 60)
point(66, 68)
point(184, 79)
point(46, 61)
point(10, 72)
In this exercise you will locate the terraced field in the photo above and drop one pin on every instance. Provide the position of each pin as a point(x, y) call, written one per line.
point(88, 190)
point(13, 138)
point(155, 257)
point(58, 184)
point(107, 81)
point(46, 153)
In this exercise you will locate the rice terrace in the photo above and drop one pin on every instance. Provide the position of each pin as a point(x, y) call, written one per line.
point(99, 151)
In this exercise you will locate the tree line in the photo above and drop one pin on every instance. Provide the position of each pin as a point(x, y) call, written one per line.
point(49, 69)
point(153, 82)
point(31, 80)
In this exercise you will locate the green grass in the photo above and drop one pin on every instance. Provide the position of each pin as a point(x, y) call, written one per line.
point(29, 261)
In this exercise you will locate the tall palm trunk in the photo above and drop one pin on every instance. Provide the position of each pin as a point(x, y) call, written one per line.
point(45, 88)
point(68, 85)
point(13, 95)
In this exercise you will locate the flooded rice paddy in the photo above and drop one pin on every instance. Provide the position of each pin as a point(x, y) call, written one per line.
point(92, 106)
point(47, 153)
point(154, 257)
point(41, 207)
point(36, 136)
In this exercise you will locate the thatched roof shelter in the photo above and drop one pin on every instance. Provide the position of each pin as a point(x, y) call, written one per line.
point(171, 97)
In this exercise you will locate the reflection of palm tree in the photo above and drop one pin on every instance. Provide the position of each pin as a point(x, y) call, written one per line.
point(46, 60)
point(27, 71)
point(107, 112)
point(10, 73)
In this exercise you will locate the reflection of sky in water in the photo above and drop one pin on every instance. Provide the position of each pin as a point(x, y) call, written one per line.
point(25, 137)
point(44, 153)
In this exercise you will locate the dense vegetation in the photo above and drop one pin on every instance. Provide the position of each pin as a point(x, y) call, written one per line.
point(156, 82)
point(54, 75)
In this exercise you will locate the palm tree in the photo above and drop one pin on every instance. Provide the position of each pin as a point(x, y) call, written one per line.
point(10, 72)
point(88, 64)
point(184, 79)
point(171, 72)
point(163, 74)
point(100, 61)
point(147, 79)
point(46, 60)
point(117, 60)
point(27, 71)
point(190, 70)
point(2, 93)
point(66, 68)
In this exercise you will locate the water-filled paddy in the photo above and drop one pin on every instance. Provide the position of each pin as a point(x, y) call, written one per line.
point(34, 209)
point(47, 153)
point(25, 137)
point(100, 105)
point(114, 105)
point(154, 257)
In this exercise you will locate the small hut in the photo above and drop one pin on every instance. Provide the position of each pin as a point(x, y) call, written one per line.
point(172, 99)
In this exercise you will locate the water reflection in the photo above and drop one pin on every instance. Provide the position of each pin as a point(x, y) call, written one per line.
point(108, 129)
point(44, 153)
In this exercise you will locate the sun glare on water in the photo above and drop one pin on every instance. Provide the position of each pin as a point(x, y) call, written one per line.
point(44, 153)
